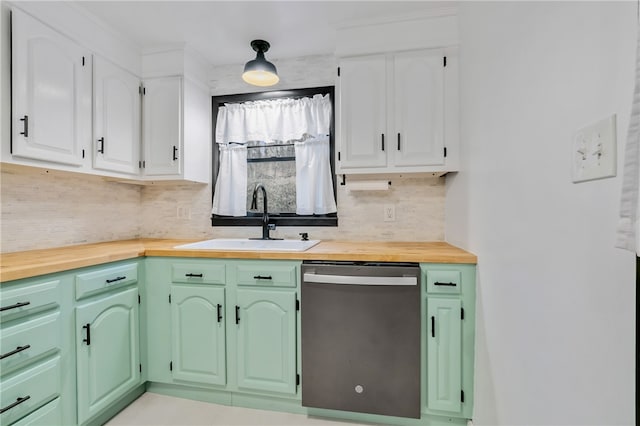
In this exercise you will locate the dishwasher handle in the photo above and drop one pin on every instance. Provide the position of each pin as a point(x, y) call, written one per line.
point(359, 280)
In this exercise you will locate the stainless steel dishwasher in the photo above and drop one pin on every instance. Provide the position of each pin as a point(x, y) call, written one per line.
point(361, 337)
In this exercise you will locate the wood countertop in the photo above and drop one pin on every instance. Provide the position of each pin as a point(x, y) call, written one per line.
point(32, 263)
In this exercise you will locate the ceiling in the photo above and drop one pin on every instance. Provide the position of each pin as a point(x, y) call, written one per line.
point(222, 30)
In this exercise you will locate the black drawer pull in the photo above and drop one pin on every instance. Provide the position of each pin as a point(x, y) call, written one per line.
point(445, 284)
point(88, 339)
point(193, 275)
point(101, 149)
point(116, 279)
point(382, 141)
point(25, 127)
point(18, 402)
point(219, 312)
point(260, 277)
point(175, 153)
point(398, 141)
point(433, 326)
point(237, 314)
point(17, 305)
point(15, 351)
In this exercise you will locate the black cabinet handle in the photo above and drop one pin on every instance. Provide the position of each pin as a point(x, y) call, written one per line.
point(398, 141)
point(260, 277)
point(175, 153)
point(219, 312)
point(101, 148)
point(25, 127)
point(237, 314)
point(88, 339)
point(15, 351)
point(17, 305)
point(433, 326)
point(116, 279)
point(383, 141)
point(445, 284)
point(18, 402)
point(193, 275)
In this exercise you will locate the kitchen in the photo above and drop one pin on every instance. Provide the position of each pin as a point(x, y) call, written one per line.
point(549, 278)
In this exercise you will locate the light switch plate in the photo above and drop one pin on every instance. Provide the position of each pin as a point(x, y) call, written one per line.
point(594, 151)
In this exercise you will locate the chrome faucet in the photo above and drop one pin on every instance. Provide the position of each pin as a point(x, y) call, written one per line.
point(266, 226)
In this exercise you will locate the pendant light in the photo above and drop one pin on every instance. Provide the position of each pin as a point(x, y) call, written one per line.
point(259, 71)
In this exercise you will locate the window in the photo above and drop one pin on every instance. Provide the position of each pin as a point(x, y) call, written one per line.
point(285, 161)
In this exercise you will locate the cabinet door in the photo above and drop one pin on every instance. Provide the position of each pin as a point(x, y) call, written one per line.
point(418, 84)
point(266, 341)
point(108, 363)
point(162, 126)
point(444, 351)
point(198, 334)
point(51, 93)
point(116, 126)
point(362, 111)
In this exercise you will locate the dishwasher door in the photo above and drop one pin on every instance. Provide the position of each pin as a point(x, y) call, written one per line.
point(361, 337)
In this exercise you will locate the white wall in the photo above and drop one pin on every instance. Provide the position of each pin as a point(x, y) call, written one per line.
point(555, 338)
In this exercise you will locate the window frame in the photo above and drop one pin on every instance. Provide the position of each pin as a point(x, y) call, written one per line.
point(289, 219)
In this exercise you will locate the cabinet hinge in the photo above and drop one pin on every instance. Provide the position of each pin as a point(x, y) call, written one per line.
point(338, 71)
point(169, 298)
point(171, 366)
point(461, 396)
point(83, 153)
point(461, 313)
point(297, 380)
point(444, 61)
point(297, 305)
point(445, 151)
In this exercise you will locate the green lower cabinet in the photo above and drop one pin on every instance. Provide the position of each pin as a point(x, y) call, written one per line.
point(107, 347)
point(444, 352)
point(198, 334)
point(266, 340)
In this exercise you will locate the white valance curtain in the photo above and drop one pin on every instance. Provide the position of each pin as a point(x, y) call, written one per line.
point(306, 121)
point(629, 223)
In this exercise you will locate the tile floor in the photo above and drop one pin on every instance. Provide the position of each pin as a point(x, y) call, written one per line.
point(154, 409)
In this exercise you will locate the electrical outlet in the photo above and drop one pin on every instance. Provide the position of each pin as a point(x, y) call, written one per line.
point(389, 213)
point(183, 212)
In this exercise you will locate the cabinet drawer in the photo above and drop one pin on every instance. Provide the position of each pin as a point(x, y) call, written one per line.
point(448, 282)
point(21, 300)
point(198, 273)
point(50, 414)
point(267, 274)
point(29, 390)
point(28, 340)
point(96, 282)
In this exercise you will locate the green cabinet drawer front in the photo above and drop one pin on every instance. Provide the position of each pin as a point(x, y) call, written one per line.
point(27, 340)
point(48, 415)
point(444, 282)
point(108, 365)
point(198, 273)
point(267, 274)
point(266, 340)
point(198, 334)
point(105, 279)
point(24, 299)
point(35, 387)
point(444, 354)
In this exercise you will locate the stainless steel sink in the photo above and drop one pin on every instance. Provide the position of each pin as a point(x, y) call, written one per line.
point(250, 245)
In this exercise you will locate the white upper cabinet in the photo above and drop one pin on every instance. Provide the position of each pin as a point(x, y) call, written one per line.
point(162, 126)
point(392, 113)
point(51, 94)
point(116, 125)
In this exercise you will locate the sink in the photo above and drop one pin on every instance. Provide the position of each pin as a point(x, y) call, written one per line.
point(250, 245)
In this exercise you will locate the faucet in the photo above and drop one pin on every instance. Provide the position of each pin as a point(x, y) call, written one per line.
point(266, 226)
